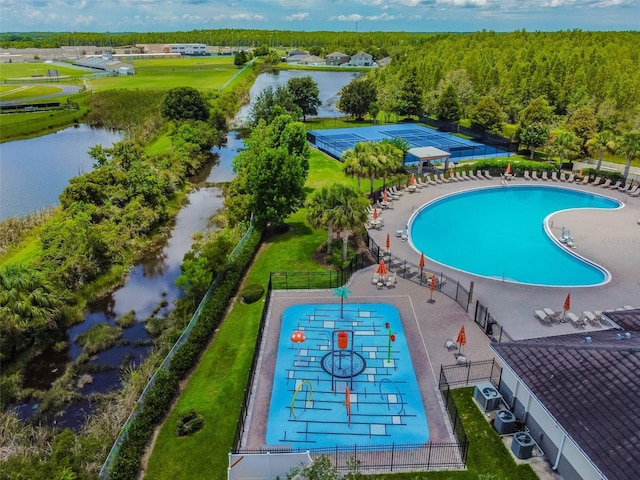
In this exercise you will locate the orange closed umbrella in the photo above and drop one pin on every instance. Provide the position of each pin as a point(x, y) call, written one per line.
point(375, 213)
point(388, 242)
point(462, 338)
point(385, 196)
point(451, 172)
point(509, 168)
point(567, 305)
point(581, 173)
point(413, 179)
point(421, 264)
point(382, 268)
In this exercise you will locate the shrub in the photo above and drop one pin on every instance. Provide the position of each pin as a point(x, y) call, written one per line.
point(99, 337)
point(189, 423)
point(252, 293)
point(127, 320)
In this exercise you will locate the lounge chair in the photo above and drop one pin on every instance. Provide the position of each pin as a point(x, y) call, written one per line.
point(487, 174)
point(615, 185)
point(542, 317)
point(456, 177)
point(449, 344)
point(596, 181)
point(563, 177)
point(375, 280)
point(471, 175)
point(634, 191)
point(584, 180)
point(545, 175)
point(576, 321)
point(625, 188)
point(480, 175)
point(391, 281)
point(534, 175)
point(431, 180)
point(571, 178)
point(591, 318)
point(606, 183)
point(554, 176)
point(552, 314)
point(464, 176)
point(526, 175)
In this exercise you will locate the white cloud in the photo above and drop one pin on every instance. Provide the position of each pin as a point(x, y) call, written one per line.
point(84, 20)
point(382, 17)
point(246, 16)
point(297, 17)
point(354, 17)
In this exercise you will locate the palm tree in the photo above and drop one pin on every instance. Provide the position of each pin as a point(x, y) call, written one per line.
point(317, 208)
point(390, 157)
point(564, 144)
point(629, 147)
point(603, 142)
point(354, 160)
point(348, 214)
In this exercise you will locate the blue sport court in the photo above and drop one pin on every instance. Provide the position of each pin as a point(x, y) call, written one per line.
point(349, 382)
point(335, 141)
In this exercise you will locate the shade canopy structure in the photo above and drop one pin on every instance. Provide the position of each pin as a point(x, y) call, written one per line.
point(429, 154)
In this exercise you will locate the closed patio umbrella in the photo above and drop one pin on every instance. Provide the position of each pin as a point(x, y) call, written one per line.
point(462, 339)
point(382, 268)
point(421, 265)
point(388, 243)
point(508, 168)
point(567, 305)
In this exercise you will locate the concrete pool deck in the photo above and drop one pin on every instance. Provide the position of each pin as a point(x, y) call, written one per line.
point(610, 238)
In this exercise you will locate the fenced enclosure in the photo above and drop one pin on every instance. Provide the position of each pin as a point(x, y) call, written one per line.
point(468, 374)
point(489, 325)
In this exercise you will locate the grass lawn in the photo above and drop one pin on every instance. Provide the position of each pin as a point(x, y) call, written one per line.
point(17, 92)
point(201, 73)
point(33, 70)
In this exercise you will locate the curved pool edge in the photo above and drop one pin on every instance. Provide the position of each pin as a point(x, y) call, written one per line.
point(608, 276)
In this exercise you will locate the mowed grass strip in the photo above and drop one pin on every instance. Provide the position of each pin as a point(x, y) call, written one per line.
point(205, 73)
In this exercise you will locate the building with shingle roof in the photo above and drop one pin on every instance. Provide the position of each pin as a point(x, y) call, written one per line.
point(579, 396)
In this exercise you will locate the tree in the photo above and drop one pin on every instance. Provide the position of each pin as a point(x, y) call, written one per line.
point(487, 115)
point(584, 124)
point(448, 107)
point(629, 147)
point(273, 102)
point(354, 161)
point(305, 94)
point(28, 306)
point(602, 143)
point(317, 207)
point(534, 135)
point(240, 58)
point(564, 144)
point(409, 100)
point(348, 214)
point(184, 103)
point(356, 98)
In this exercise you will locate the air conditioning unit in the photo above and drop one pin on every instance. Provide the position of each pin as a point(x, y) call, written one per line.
point(522, 445)
point(487, 396)
point(505, 422)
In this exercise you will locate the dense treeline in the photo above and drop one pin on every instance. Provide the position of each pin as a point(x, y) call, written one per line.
point(570, 69)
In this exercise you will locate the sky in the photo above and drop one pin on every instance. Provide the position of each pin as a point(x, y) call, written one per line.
point(310, 15)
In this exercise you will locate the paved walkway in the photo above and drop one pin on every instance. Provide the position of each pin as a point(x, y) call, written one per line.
point(610, 238)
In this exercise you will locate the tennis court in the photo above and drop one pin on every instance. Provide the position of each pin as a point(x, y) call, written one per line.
point(335, 141)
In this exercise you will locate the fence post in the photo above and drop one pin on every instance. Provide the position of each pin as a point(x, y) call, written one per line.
point(468, 373)
point(393, 451)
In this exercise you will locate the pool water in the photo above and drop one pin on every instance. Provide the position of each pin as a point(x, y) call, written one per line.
point(499, 232)
point(309, 399)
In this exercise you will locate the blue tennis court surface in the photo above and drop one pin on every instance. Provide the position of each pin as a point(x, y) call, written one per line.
point(328, 394)
point(336, 141)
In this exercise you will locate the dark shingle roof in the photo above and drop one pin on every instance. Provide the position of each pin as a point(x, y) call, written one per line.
point(591, 389)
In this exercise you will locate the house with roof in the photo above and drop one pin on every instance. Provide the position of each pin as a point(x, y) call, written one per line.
point(337, 58)
point(579, 397)
point(383, 62)
point(312, 60)
point(296, 58)
point(361, 59)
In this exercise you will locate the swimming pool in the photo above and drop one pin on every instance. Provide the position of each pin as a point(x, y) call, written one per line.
point(499, 233)
point(309, 403)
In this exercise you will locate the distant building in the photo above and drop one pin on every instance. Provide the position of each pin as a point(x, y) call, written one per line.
point(296, 58)
point(383, 62)
point(312, 60)
point(294, 53)
point(361, 59)
point(196, 49)
point(337, 58)
point(120, 68)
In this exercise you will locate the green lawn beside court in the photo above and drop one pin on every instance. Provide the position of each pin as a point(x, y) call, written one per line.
point(18, 92)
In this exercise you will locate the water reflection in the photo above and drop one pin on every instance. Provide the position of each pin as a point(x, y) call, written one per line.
point(34, 172)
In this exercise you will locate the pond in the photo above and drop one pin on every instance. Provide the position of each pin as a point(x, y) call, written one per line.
point(34, 172)
point(329, 84)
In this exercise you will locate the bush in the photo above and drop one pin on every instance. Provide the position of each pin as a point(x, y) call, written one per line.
point(189, 423)
point(127, 320)
point(252, 293)
point(99, 338)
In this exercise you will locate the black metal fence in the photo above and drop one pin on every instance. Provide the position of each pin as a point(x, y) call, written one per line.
point(480, 136)
point(384, 458)
point(470, 373)
point(318, 280)
point(422, 276)
point(489, 325)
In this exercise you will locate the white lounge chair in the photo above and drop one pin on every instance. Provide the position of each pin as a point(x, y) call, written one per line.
point(584, 180)
point(596, 181)
point(625, 188)
point(576, 321)
point(615, 185)
point(545, 175)
point(391, 281)
point(480, 175)
point(526, 175)
point(591, 318)
point(471, 175)
point(606, 183)
point(553, 315)
point(542, 317)
point(563, 177)
point(487, 174)
point(554, 176)
point(534, 175)
point(571, 178)
point(431, 180)
point(449, 344)
point(634, 191)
